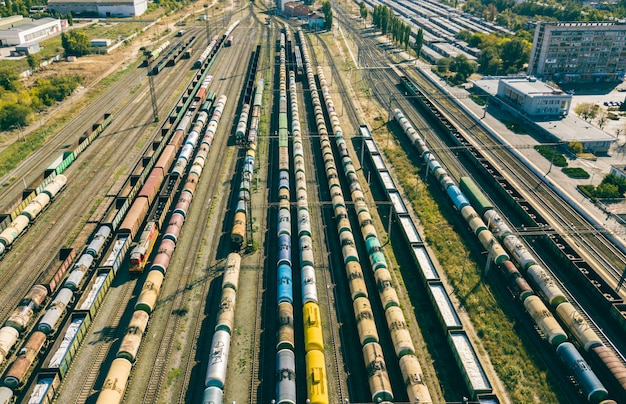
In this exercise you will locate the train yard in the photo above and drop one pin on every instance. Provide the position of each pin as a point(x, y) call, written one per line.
point(254, 244)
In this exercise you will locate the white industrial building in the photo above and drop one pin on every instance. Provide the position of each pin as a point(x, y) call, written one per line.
point(534, 97)
point(544, 110)
point(99, 8)
point(34, 31)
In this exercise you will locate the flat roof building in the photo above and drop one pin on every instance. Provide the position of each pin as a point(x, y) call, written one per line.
point(99, 8)
point(579, 51)
point(33, 31)
point(553, 128)
point(534, 97)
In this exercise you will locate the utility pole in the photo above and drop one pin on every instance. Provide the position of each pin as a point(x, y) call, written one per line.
point(155, 109)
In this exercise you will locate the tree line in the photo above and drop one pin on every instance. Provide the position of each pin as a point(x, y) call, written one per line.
point(18, 105)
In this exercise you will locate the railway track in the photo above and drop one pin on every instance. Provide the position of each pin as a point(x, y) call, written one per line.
point(565, 220)
point(87, 387)
point(65, 226)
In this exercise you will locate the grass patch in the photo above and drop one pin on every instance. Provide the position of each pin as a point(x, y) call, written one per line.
point(522, 377)
point(575, 172)
point(515, 127)
point(173, 375)
point(552, 155)
point(478, 100)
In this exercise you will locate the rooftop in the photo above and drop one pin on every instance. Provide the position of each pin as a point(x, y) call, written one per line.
point(532, 87)
point(32, 24)
point(568, 129)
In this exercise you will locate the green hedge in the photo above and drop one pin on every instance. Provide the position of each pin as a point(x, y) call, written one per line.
point(575, 172)
point(552, 155)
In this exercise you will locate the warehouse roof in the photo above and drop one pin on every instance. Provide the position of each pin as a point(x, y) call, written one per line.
point(94, 2)
point(32, 24)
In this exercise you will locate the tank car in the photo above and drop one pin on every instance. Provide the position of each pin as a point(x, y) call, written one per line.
point(309, 288)
point(285, 283)
point(412, 374)
point(8, 338)
point(313, 339)
point(231, 271)
point(544, 320)
point(365, 320)
point(213, 395)
point(355, 279)
point(386, 291)
point(162, 259)
point(577, 324)
point(545, 282)
point(400, 335)
point(316, 381)
point(95, 246)
point(218, 360)
point(285, 335)
point(591, 386)
point(306, 251)
point(286, 377)
point(21, 316)
point(115, 382)
point(226, 315)
point(378, 378)
point(150, 291)
point(18, 370)
point(237, 235)
point(15, 228)
point(78, 272)
point(521, 288)
point(132, 340)
point(51, 318)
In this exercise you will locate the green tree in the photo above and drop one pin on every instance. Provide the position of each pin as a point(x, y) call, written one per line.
point(463, 68)
point(606, 190)
point(489, 61)
point(363, 10)
point(514, 53)
point(9, 79)
point(443, 65)
point(33, 62)
point(587, 111)
point(419, 42)
point(14, 115)
point(328, 15)
point(75, 43)
point(575, 147)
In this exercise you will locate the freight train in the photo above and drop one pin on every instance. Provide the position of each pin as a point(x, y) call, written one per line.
point(30, 212)
point(220, 344)
point(141, 252)
point(380, 386)
point(119, 372)
point(238, 232)
point(316, 379)
point(592, 388)
point(70, 336)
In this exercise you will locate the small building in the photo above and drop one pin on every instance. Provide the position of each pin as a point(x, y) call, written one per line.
point(100, 43)
point(534, 98)
point(295, 9)
point(552, 128)
point(99, 8)
point(26, 49)
point(316, 21)
point(34, 31)
point(618, 171)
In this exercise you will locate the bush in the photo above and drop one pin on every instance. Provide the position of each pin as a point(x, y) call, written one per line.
point(552, 155)
point(575, 172)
